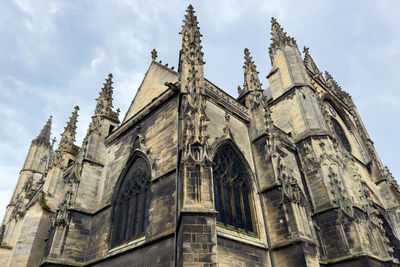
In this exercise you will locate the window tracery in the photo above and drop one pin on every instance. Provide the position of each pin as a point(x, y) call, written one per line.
point(132, 202)
point(232, 190)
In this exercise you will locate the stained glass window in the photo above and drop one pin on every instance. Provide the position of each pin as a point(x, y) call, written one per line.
point(232, 190)
point(341, 135)
point(131, 206)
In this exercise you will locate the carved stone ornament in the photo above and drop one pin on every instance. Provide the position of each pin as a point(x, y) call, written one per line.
point(139, 144)
point(58, 159)
point(337, 189)
point(68, 136)
point(61, 218)
point(18, 210)
point(44, 136)
point(291, 191)
point(194, 137)
point(95, 125)
point(154, 55)
point(279, 39)
point(334, 87)
point(227, 129)
point(251, 81)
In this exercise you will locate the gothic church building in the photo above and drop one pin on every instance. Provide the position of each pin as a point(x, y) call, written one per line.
point(279, 176)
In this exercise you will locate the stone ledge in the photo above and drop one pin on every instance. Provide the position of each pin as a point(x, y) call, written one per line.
point(240, 237)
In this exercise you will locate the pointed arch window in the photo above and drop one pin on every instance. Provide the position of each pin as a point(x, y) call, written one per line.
point(232, 190)
point(132, 202)
point(341, 135)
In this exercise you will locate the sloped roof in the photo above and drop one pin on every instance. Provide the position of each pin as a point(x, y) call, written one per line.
point(152, 86)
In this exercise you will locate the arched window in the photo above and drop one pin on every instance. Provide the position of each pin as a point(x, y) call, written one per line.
point(132, 201)
point(341, 135)
point(232, 190)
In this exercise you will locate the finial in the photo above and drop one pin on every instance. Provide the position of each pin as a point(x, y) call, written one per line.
point(251, 80)
point(44, 135)
point(154, 55)
point(279, 38)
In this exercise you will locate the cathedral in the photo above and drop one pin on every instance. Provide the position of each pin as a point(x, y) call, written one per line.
point(285, 175)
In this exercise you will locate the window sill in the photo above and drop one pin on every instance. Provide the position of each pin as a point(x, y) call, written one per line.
point(241, 237)
point(131, 244)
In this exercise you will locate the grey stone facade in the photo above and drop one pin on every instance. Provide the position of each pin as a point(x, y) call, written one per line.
point(300, 183)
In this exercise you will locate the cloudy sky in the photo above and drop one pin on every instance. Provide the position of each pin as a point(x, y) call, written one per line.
point(56, 54)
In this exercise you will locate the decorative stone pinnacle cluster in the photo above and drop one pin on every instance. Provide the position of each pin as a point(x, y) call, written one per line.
point(251, 80)
point(68, 136)
point(44, 136)
point(191, 48)
point(104, 101)
point(279, 38)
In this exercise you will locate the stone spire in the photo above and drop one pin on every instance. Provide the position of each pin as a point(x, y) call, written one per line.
point(68, 136)
point(279, 38)
point(191, 68)
point(104, 101)
point(44, 136)
point(251, 80)
point(191, 48)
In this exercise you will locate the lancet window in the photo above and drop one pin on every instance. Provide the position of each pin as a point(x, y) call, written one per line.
point(132, 202)
point(232, 190)
point(341, 135)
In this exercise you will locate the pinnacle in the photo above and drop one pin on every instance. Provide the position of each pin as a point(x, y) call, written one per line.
point(279, 38)
point(305, 50)
point(190, 13)
point(328, 76)
point(251, 80)
point(331, 82)
point(44, 135)
point(309, 62)
point(154, 54)
point(68, 136)
point(71, 125)
point(191, 47)
point(104, 101)
point(337, 89)
point(190, 22)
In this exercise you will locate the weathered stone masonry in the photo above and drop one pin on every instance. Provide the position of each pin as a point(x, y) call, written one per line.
point(285, 175)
